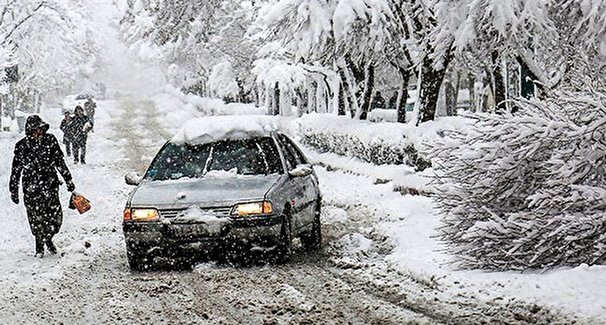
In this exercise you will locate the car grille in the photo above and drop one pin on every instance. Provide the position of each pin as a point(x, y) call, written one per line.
point(217, 211)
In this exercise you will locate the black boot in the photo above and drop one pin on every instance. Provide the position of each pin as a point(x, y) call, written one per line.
point(51, 246)
point(39, 248)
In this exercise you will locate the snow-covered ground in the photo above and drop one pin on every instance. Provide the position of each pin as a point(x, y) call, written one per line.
point(410, 222)
point(383, 264)
point(371, 213)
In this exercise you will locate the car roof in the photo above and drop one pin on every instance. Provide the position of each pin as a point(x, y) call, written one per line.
point(83, 96)
point(217, 128)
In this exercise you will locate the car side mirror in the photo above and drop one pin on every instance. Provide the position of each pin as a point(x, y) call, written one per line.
point(133, 178)
point(301, 171)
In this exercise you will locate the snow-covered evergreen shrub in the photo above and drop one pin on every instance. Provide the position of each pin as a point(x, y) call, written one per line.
point(377, 149)
point(526, 191)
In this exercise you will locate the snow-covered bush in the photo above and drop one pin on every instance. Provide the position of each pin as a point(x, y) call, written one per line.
point(362, 140)
point(526, 191)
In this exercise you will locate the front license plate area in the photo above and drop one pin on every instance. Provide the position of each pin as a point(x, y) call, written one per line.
point(192, 231)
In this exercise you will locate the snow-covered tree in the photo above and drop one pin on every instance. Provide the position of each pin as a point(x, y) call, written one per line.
point(529, 190)
point(223, 83)
point(296, 34)
point(548, 39)
point(349, 38)
point(49, 42)
point(189, 38)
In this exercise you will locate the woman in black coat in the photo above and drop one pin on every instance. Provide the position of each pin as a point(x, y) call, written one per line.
point(38, 158)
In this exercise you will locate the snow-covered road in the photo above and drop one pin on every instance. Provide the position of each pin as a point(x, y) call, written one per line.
point(379, 263)
point(349, 281)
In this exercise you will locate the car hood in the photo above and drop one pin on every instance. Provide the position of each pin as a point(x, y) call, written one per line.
point(202, 192)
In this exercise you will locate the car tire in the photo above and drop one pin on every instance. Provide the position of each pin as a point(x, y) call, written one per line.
point(137, 261)
point(312, 240)
point(284, 248)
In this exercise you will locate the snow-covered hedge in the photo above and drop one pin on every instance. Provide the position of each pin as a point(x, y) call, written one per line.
point(379, 144)
point(526, 191)
point(383, 115)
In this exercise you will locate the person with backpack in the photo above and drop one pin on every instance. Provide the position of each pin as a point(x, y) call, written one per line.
point(37, 160)
point(89, 110)
point(67, 132)
point(80, 127)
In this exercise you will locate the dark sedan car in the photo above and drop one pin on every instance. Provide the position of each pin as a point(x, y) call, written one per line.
point(254, 190)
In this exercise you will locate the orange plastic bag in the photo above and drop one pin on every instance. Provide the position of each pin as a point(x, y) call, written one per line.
point(81, 203)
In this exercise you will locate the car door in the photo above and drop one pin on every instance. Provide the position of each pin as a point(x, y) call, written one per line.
point(307, 185)
point(295, 186)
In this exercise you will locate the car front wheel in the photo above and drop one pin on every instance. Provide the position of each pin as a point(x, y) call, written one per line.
point(137, 261)
point(284, 248)
point(312, 240)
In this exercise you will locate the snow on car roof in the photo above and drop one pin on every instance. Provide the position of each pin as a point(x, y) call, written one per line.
point(216, 128)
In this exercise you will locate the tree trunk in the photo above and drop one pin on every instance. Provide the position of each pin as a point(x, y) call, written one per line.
point(471, 86)
point(368, 88)
point(276, 100)
point(431, 80)
point(499, 84)
point(358, 77)
point(259, 96)
point(450, 98)
point(342, 100)
point(350, 100)
point(301, 102)
point(456, 87)
point(269, 100)
point(320, 98)
point(311, 97)
point(357, 72)
point(401, 104)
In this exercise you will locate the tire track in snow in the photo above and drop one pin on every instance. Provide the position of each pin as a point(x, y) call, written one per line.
point(139, 133)
point(421, 294)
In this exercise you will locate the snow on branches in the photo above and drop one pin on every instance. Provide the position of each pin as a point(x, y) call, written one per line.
point(526, 191)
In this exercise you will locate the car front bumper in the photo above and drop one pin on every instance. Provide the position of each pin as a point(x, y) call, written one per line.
point(160, 238)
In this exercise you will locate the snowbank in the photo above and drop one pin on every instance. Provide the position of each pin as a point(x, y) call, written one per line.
point(383, 115)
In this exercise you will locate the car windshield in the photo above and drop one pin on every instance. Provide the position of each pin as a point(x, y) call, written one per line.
point(258, 156)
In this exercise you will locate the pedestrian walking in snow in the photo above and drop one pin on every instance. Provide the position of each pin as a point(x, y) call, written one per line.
point(66, 127)
point(89, 111)
point(37, 159)
point(80, 127)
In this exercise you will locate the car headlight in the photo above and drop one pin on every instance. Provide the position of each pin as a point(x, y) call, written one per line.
point(141, 214)
point(252, 208)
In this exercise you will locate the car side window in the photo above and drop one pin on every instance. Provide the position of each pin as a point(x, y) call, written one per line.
point(291, 160)
point(290, 146)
